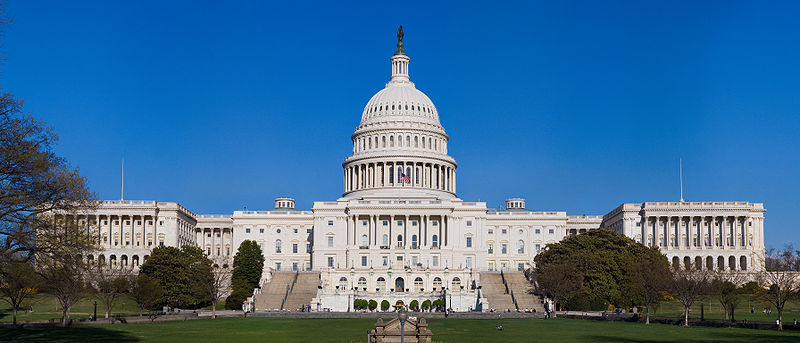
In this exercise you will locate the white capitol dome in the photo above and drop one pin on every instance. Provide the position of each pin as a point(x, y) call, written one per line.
point(400, 145)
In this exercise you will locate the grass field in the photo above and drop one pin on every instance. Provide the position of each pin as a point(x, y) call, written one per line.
point(46, 307)
point(354, 330)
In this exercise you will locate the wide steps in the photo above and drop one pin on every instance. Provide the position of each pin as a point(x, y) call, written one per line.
point(272, 292)
point(494, 291)
point(304, 291)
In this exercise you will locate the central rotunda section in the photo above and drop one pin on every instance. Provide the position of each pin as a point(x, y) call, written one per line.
point(400, 147)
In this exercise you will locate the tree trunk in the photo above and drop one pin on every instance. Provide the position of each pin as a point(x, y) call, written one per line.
point(107, 312)
point(15, 315)
point(686, 316)
point(780, 319)
point(647, 315)
point(213, 310)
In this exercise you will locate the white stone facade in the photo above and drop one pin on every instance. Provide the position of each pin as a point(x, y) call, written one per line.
point(400, 232)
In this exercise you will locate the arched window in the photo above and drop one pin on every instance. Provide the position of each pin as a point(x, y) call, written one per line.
point(435, 241)
point(437, 283)
point(408, 141)
point(416, 142)
point(385, 240)
point(362, 282)
point(391, 174)
point(732, 263)
point(343, 283)
point(743, 263)
point(399, 240)
point(456, 283)
point(381, 283)
point(520, 247)
point(399, 140)
point(418, 285)
point(413, 241)
point(384, 141)
point(364, 241)
point(391, 141)
point(278, 246)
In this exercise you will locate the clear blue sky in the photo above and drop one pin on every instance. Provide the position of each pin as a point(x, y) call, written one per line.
point(576, 106)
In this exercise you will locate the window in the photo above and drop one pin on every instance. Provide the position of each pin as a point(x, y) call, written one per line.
point(469, 262)
point(538, 248)
point(399, 223)
point(520, 247)
point(294, 266)
point(279, 230)
point(385, 261)
point(504, 248)
point(362, 282)
point(413, 223)
point(295, 230)
point(330, 261)
point(385, 223)
point(364, 223)
point(413, 241)
point(294, 248)
point(491, 231)
point(491, 248)
point(330, 223)
point(278, 246)
point(385, 240)
point(277, 266)
point(161, 244)
point(469, 242)
point(219, 235)
point(308, 230)
point(330, 241)
point(308, 247)
point(414, 260)
point(364, 261)
point(435, 223)
point(260, 230)
point(469, 223)
point(435, 241)
point(247, 230)
point(364, 241)
point(520, 267)
point(435, 261)
point(550, 231)
point(504, 231)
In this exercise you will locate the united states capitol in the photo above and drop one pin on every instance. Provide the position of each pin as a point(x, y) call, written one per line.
point(399, 231)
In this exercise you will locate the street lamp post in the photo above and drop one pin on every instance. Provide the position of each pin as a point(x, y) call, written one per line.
point(94, 318)
point(403, 315)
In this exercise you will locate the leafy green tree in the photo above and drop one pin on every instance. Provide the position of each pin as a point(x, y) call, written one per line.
point(599, 258)
point(18, 281)
point(414, 305)
point(248, 264)
point(385, 305)
point(373, 305)
point(147, 293)
point(426, 305)
point(182, 274)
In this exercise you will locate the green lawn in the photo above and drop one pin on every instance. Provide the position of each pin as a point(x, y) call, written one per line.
point(713, 310)
point(46, 307)
point(354, 330)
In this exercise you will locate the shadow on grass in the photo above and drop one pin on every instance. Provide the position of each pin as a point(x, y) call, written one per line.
point(66, 335)
point(757, 336)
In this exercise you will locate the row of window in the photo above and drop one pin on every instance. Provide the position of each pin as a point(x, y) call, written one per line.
point(365, 143)
point(521, 232)
point(261, 230)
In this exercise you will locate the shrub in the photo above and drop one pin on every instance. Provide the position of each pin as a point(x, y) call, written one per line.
point(414, 305)
point(384, 305)
point(426, 305)
point(373, 305)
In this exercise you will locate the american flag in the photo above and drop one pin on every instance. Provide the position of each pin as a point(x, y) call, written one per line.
point(405, 178)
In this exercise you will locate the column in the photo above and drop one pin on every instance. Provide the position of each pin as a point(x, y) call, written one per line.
point(424, 238)
point(405, 232)
point(391, 223)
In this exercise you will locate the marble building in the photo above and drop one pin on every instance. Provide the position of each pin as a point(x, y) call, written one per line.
point(399, 230)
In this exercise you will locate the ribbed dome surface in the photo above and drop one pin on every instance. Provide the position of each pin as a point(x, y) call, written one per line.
point(400, 101)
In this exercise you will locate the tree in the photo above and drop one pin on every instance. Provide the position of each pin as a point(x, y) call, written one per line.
point(647, 277)
point(559, 280)
point(215, 287)
point(65, 279)
point(108, 284)
point(781, 275)
point(147, 292)
point(426, 305)
point(248, 264)
point(724, 286)
point(18, 281)
point(384, 305)
point(597, 260)
point(414, 305)
point(687, 285)
point(373, 305)
point(182, 274)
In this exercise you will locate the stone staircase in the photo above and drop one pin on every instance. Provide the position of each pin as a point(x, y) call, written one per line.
point(304, 290)
point(493, 289)
point(274, 295)
point(523, 291)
